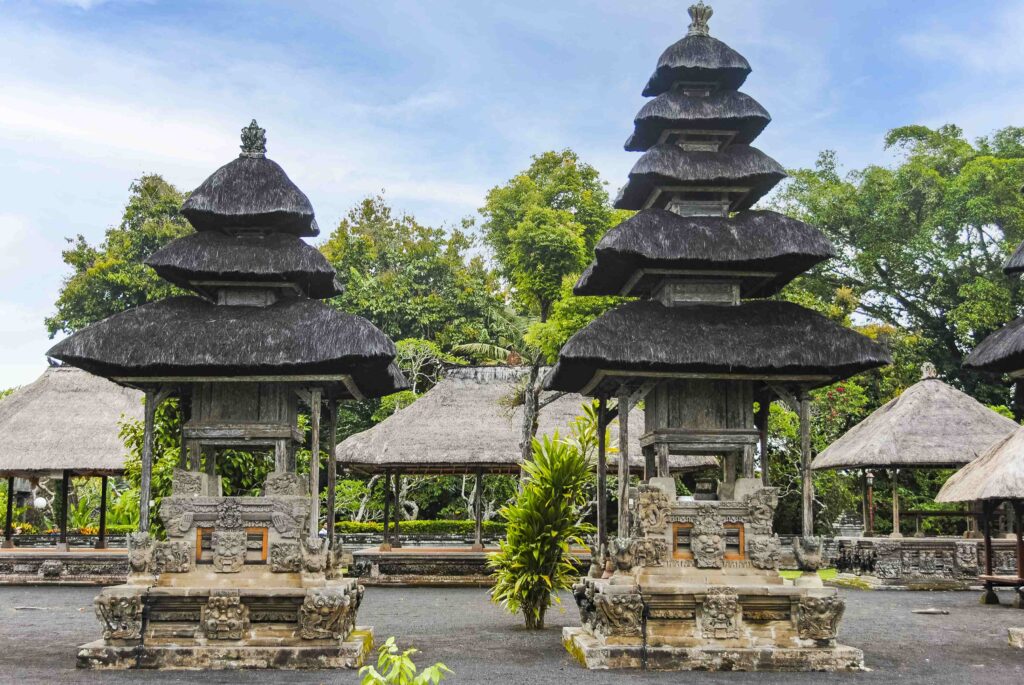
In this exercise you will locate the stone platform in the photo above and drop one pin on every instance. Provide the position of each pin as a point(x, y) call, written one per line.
point(592, 654)
point(77, 566)
point(186, 654)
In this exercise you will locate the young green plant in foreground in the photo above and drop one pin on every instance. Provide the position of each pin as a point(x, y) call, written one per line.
point(398, 668)
point(535, 560)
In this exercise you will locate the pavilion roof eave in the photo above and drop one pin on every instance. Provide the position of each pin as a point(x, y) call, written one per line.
point(609, 381)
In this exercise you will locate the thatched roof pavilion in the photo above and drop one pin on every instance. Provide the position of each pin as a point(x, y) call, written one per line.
point(65, 423)
point(66, 420)
point(463, 425)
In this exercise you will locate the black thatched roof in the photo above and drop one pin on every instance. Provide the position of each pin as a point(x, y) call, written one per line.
point(190, 336)
point(761, 241)
point(250, 192)
point(698, 59)
point(1015, 264)
point(273, 257)
point(670, 165)
point(759, 337)
point(1002, 351)
point(723, 110)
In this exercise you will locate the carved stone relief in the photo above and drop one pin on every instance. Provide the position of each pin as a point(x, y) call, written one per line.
point(120, 613)
point(51, 568)
point(707, 539)
point(651, 511)
point(967, 557)
point(818, 617)
point(140, 553)
point(761, 511)
point(285, 557)
point(176, 516)
point(314, 554)
point(284, 485)
point(173, 556)
point(229, 514)
point(228, 550)
point(720, 613)
point(617, 614)
point(186, 483)
point(329, 613)
point(808, 552)
point(224, 617)
point(763, 551)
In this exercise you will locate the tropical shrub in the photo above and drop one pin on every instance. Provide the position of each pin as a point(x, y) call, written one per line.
point(398, 668)
point(534, 561)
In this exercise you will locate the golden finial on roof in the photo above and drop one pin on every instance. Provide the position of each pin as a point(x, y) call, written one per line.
point(699, 16)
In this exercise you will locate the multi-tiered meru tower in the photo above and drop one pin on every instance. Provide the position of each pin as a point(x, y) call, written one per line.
point(241, 581)
point(692, 582)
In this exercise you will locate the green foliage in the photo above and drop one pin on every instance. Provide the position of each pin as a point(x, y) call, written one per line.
point(412, 281)
point(423, 527)
point(534, 561)
point(166, 449)
point(568, 315)
point(921, 245)
point(422, 361)
point(111, 277)
point(6, 391)
point(544, 248)
point(397, 668)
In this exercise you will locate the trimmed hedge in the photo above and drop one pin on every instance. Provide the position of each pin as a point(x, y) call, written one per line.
point(438, 527)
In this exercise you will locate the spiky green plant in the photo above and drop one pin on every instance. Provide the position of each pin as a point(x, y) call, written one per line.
point(397, 668)
point(535, 559)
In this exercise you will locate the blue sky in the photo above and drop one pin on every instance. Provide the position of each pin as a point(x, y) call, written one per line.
point(433, 102)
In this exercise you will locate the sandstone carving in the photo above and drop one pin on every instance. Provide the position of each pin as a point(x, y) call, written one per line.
point(761, 511)
point(285, 557)
point(173, 556)
point(140, 553)
point(720, 613)
point(224, 617)
point(808, 552)
point(967, 557)
point(652, 511)
point(176, 516)
point(707, 541)
point(229, 514)
point(228, 550)
point(51, 568)
point(818, 617)
point(314, 554)
point(120, 613)
point(763, 551)
point(617, 614)
point(284, 485)
point(329, 613)
point(186, 483)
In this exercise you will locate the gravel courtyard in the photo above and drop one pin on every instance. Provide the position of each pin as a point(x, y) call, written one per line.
point(41, 627)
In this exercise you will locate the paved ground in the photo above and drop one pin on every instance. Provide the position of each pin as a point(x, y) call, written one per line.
point(40, 628)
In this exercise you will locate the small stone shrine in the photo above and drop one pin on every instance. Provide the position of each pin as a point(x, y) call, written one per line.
point(692, 583)
point(241, 581)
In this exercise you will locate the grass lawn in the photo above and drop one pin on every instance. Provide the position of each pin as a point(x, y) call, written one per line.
point(825, 574)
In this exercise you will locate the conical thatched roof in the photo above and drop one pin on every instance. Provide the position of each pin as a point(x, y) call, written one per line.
point(723, 110)
point(1002, 351)
point(698, 59)
point(998, 474)
point(930, 425)
point(463, 423)
point(66, 419)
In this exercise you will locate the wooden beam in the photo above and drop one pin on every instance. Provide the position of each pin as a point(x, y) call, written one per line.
point(385, 545)
point(624, 465)
point(153, 399)
point(101, 539)
point(9, 520)
point(602, 472)
point(314, 462)
point(397, 541)
point(65, 486)
point(185, 411)
point(788, 398)
point(478, 512)
point(332, 470)
point(641, 393)
point(807, 484)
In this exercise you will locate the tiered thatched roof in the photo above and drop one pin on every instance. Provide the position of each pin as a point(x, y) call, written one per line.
point(930, 425)
point(723, 110)
point(756, 242)
point(464, 423)
point(698, 58)
point(758, 337)
point(1001, 351)
point(66, 419)
point(996, 475)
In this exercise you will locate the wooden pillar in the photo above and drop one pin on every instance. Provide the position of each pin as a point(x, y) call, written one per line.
point(1018, 509)
point(987, 509)
point(396, 533)
point(332, 469)
point(385, 544)
point(101, 539)
point(65, 485)
point(623, 463)
point(662, 452)
point(185, 409)
point(764, 403)
point(146, 478)
point(314, 461)
point(807, 484)
point(895, 476)
point(650, 462)
point(478, 511)
point(9, 520)
point(602, 472)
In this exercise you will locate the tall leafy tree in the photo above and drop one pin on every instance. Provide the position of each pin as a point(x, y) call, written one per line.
point(111, 277)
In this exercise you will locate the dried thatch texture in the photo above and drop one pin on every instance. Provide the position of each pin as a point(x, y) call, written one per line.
point(462, 424)
point(190, 336)
point(668, 164)
point(757, 337)
point(998, 474)
point(275, 257)
point(698, 59)
point(1002, 351)
point(250, 193)
point(723, 110)
point(749, 241)
point(65, 419)
point(930, 425)
point(1015, 264)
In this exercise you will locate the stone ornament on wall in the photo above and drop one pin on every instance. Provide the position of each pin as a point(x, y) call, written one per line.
point(224, 617)
point(329, 613)
point(140, 553)
point(285, 485)
point(119, 611)
point(888, 559)
point(707, 538)
point(228, 550)
point(967, 557)
point(720, 613)
point(763, 551)
point(285, 557)
point(651, 511)
point(761, 511)
point(289, 517)
point(808, 552)
point(314, 554)
point(617, 615)
point(818, 617)
point(173, 556)
point(229, 514)
point(186, 483)
point(176, 516)
point(51, 568)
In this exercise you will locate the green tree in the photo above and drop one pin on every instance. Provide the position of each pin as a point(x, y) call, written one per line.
point(534, 561)
point(111, 277)
point(921, 245)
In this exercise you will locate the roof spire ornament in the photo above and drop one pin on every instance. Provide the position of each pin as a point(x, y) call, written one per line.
point(928, 370)
point(699, 16)
point(254, 141)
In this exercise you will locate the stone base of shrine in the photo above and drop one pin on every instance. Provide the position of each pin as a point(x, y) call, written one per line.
point(427, 566)
point(77, 566)
point(593, 654)
point(189, 655)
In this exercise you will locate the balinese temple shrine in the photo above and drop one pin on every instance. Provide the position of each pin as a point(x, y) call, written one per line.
point(696, 582)
point(241, 581)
